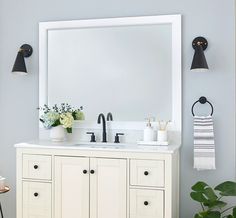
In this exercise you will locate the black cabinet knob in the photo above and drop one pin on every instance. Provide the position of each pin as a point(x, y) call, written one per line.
point(36, 194)
point(92, 171)
point(85, 171)
point(145, 203)
point(146, 173)
point(36, 167)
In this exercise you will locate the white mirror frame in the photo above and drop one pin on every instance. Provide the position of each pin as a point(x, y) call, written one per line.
point(174, 20)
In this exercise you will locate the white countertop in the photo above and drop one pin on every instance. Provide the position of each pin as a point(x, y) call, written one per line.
point(98, 146)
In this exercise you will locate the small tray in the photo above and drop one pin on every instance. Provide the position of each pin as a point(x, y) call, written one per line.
point(153, 143)
point(6, 189)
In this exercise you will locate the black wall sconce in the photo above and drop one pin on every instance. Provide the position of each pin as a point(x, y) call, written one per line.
point(19, 65)
point(199, 60)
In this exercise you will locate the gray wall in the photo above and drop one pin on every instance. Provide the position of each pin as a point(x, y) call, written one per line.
point(211, 18)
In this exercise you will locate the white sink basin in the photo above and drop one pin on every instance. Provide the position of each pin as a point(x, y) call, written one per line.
point(101, 145)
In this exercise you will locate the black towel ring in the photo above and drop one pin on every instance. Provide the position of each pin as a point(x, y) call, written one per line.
point(203, 100)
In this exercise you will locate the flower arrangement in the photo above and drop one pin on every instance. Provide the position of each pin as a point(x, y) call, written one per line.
point(60, 115)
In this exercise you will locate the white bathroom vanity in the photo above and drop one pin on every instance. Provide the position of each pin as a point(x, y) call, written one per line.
point(129, 66)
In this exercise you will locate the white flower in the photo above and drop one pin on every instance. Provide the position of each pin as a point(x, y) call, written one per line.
point(49, 119)
point(79, 115)
point(66, 120)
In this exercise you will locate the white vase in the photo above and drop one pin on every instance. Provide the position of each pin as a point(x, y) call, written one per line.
point(57, 134)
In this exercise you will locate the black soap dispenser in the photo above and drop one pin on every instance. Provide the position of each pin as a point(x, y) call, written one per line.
point(93, 138)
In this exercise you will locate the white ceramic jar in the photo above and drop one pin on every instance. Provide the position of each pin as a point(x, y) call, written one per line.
point(57, 134)
point(162, 136)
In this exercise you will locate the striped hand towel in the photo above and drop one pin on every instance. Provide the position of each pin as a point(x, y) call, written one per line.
point(204, 146)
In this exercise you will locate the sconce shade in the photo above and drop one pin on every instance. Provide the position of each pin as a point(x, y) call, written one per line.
point(19, 65)
point(199, 60)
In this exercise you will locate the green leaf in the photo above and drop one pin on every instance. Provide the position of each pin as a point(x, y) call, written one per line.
point(208, 214)
point(215, 204)
point(199, 197)
point(198, 216)
point(204, 194)
point(229, 216)
point(56, 123)
point(234, 212)
point(210, 194)
point(199, 186)
point(227, 188)
point(74, 115)
point(203, 213)
point(69, 130)
point(213, 214)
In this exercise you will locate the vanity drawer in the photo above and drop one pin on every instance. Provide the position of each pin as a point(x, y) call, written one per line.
point(37, 200)
point(146, 203)
point(147, 173)
point(37, 167)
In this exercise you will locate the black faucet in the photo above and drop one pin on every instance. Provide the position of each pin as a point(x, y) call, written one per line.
point(109, 117)
point(104, 134)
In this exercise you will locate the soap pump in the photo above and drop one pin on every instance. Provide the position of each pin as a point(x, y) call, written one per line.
point(148, 135)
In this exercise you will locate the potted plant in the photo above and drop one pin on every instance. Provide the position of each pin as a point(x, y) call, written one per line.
point(212, 201)
point(60, 118)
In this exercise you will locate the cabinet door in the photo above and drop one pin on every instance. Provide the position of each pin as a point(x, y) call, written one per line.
point(71, 187)
point(108, 187)
point(37, 200)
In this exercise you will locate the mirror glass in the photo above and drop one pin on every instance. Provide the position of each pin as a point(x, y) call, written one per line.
point(126, 70)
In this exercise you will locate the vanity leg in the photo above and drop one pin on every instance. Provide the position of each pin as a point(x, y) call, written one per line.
point(1, 210)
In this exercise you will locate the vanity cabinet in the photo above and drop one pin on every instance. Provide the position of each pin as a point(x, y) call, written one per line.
point(77, 182)
point(90, 187)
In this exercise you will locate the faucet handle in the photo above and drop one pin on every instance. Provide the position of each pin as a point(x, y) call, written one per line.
point(93, 138)
point(117, 138)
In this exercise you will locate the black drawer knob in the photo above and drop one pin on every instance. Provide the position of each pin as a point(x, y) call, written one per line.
point(92, 171)
point(36, 167)
point(145, 203)
point(85, 171)
point(36, 194)
point(146, 173)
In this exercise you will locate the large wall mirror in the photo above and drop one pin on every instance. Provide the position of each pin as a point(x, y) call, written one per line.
point(128, 66)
